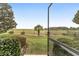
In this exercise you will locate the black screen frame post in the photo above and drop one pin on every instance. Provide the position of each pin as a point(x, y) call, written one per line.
point(48, 30)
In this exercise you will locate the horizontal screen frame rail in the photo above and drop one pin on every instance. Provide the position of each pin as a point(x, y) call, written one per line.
point(66, 47)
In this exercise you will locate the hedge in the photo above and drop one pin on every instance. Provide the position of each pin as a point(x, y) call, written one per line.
point(9, 45)
point(11, 32)
point(24, 45)
point(22, 33)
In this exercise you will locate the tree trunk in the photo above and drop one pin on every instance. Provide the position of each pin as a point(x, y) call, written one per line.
point(38, 32)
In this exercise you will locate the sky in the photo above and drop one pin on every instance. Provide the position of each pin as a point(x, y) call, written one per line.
point(62, 14)
point(28, 15)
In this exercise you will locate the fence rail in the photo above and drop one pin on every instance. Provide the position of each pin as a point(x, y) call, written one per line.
point(65, 47)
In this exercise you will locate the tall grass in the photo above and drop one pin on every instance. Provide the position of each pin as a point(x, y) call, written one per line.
point(36, 45)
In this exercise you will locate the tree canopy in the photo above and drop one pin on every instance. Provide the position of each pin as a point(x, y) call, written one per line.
point(76, 18)
point(6, 17)
point(38, 28)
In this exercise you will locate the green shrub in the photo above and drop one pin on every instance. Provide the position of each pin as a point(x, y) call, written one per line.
point(22, 33)
point(9, 45)
point(11, 32)
point(64, 34)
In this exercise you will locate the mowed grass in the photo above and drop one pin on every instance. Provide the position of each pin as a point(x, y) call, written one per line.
point(36, 45)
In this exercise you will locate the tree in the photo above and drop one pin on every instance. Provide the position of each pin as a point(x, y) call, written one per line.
point(38, 28)
point(76, 18)
point(6, 18)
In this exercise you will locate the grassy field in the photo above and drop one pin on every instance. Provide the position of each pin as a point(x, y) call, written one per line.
point(36, 45)
point(69, 37)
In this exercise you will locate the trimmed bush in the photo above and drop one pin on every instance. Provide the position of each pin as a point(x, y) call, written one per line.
point(22, 33)
point(11, 32)
point(9, 45)
point(64, 34)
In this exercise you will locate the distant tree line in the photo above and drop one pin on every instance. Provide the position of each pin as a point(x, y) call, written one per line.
point(63, 28)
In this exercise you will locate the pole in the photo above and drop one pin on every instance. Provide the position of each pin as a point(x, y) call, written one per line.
point(48, 28)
